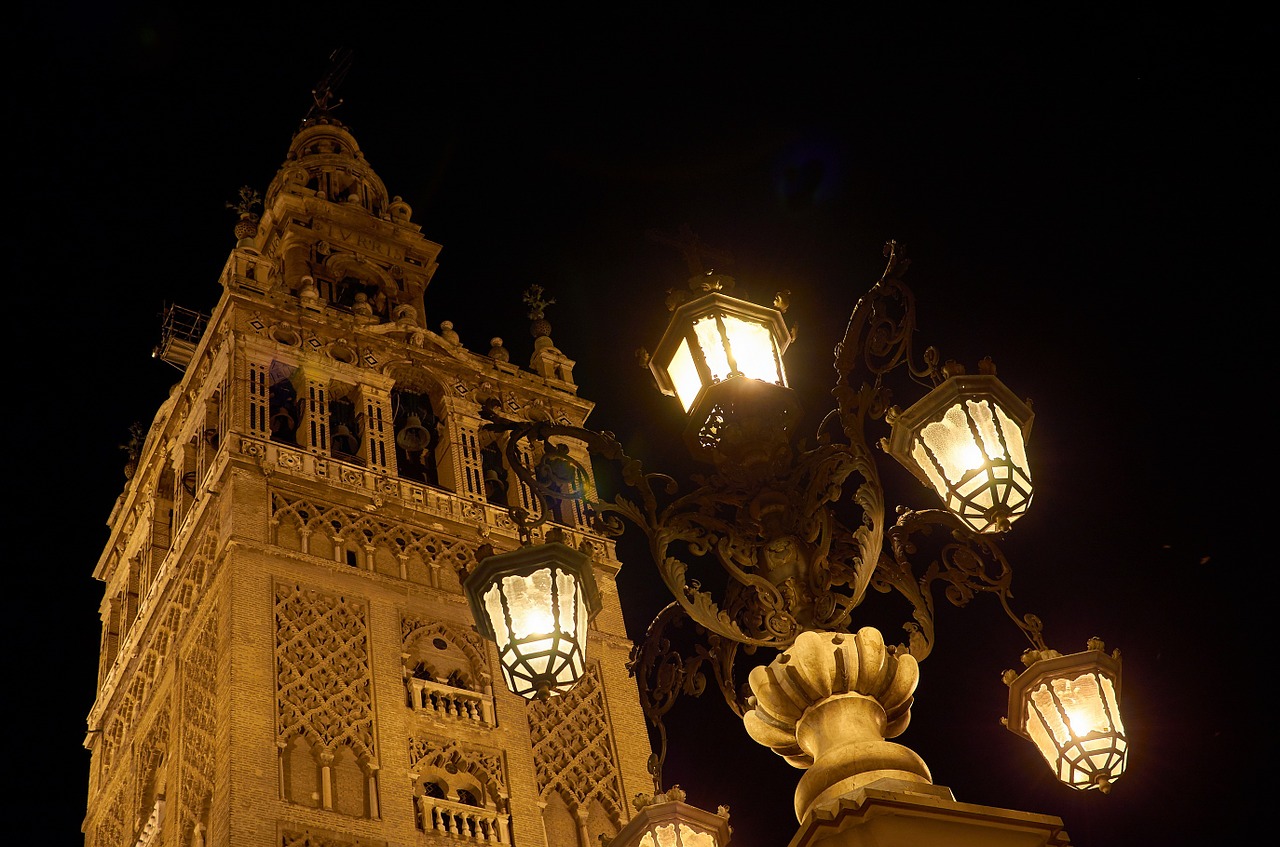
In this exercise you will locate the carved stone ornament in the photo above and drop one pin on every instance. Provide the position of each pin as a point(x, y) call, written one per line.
point(827, 704)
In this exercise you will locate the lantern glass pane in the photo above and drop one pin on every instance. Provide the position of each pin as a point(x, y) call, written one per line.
point(571, 669)
point(538, 654)
point(1112, 704)
point(1017, 448)
point(690, 837)
point(497, 617)
point(753, 349)
point(529, 602)
point(707, 331)
point(568, 604)
point(922, 460)
point(985, 421)
point(663, 836)
point(951, 442)
point(584, 614)
point(684, 375)
point(1082, 702)
point(1039, 735)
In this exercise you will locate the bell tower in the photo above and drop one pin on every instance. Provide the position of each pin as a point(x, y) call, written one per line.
point(287, 657)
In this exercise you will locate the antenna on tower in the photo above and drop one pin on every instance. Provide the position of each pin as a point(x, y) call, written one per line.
point(323, 96)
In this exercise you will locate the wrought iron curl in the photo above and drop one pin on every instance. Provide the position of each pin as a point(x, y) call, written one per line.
point(966, 562)
point(666, 672)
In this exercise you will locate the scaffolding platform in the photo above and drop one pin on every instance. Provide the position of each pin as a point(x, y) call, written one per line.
point(180, 332)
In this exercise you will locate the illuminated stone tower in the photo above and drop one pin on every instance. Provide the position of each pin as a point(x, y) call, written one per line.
point(287, 657)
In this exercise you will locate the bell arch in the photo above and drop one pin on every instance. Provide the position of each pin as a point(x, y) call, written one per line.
point(417, 412)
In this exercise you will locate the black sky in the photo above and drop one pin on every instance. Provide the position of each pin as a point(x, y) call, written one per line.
point(1082, 198)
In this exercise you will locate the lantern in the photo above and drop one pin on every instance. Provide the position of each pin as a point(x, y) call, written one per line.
point(1069, 707)
point(535, 603)
point(667, 821)
point(715, 337)
point(721, 357)
point(967, 440)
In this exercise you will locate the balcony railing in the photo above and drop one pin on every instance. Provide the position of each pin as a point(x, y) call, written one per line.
point(463, 822)
point(449, 703)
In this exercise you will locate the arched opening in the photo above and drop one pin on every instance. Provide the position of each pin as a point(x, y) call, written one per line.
point(350, 784)
point(283, 405)
point(344, 425)
point(301, 773)
point(416, 436)
point(496, 482)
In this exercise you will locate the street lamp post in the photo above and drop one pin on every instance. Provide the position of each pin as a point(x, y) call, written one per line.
point(802, 532)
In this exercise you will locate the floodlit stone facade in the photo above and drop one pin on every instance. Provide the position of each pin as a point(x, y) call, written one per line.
point(287, 657)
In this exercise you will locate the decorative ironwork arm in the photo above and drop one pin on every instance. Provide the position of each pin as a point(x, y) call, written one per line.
point(666, 671)
point(966, 562)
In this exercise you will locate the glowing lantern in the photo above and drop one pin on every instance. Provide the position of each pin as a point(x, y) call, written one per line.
point(535, 603)
point(1069, 707)
point(667, 821)
point(966, 439)
point(721, 357)
point(715, 337)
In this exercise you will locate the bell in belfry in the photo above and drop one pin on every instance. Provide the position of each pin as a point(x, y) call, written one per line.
point(413, 436)
point(282, 421)
point(344, 441)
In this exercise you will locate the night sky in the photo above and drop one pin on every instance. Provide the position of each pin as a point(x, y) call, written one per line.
point(1082, 199)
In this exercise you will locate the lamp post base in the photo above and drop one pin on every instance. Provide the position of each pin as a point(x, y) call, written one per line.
point(901, 813)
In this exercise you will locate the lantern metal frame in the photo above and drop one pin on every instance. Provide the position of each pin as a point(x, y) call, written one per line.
point(763, 550)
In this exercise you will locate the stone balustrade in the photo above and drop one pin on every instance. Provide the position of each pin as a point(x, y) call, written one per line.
point(449, 703)
point(463, 822)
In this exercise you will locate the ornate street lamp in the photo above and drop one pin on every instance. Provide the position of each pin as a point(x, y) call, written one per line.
point(536, 602)
point(1069, 707)
point(802, 530)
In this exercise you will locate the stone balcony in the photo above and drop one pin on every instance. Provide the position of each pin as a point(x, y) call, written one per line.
point(446, 702)
point(463, 822)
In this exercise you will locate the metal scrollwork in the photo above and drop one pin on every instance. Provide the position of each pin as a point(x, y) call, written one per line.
point(666, 671)
point(967, 563)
